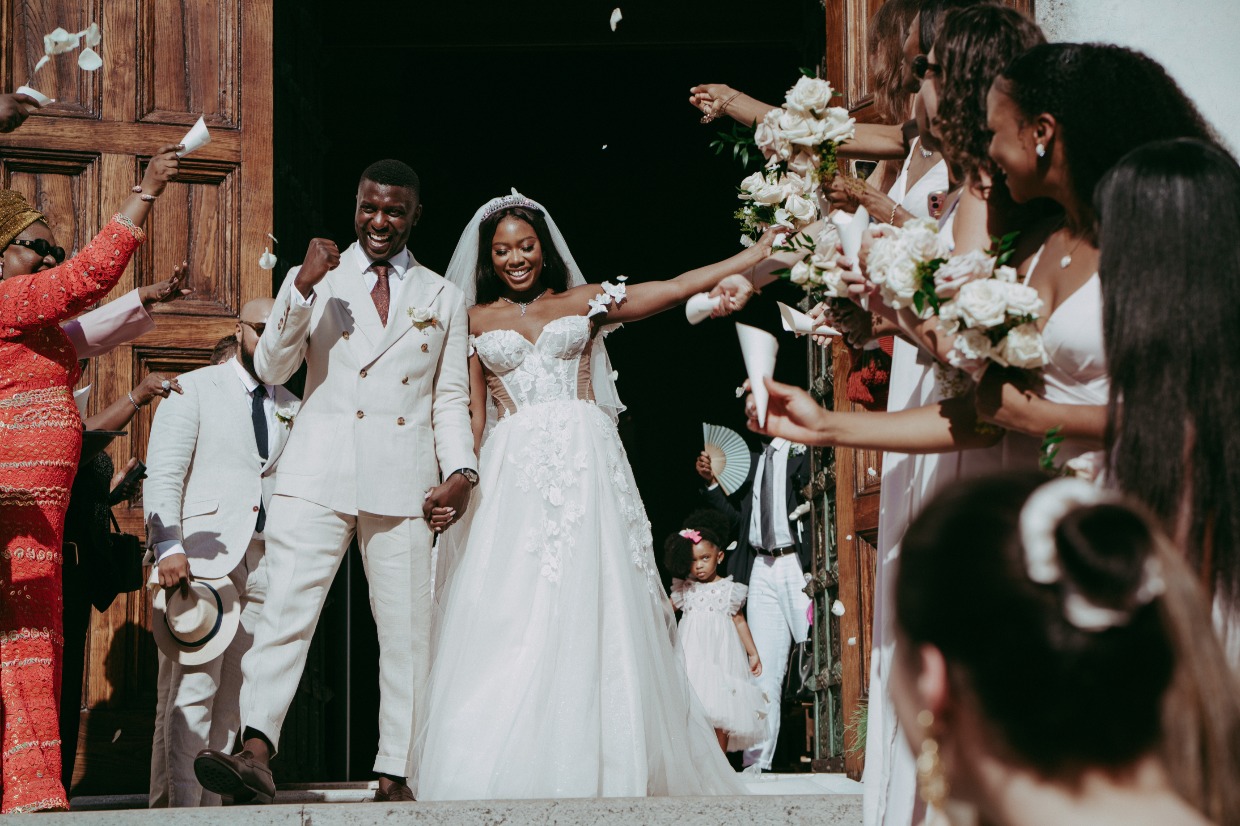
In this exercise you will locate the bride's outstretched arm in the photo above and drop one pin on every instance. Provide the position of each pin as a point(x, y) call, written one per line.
point(644, 300)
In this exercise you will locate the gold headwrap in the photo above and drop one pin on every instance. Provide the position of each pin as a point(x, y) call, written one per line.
point(15, 215)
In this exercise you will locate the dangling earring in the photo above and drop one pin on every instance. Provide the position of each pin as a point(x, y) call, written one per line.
point(1041, 150)
point(931, 781)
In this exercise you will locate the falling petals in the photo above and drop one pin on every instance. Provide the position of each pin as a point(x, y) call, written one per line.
point(43, 61)
point(616, 17)
point(90, 36)
point(89, 60)
point(267, 260)
point(59, 41)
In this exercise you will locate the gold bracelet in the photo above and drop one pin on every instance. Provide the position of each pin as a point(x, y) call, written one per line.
point(717, 111)
point(894, 209)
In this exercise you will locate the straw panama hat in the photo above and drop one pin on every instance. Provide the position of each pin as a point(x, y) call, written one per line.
point(196, 629)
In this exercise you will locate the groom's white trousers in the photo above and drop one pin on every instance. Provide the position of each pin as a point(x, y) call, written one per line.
point(305, 544)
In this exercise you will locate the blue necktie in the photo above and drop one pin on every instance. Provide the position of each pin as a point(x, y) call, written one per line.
point(259, 417)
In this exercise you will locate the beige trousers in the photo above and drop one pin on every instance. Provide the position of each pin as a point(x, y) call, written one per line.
point(305, 545)
point(198, 706)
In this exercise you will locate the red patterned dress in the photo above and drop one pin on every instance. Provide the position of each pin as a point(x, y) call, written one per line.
point(40, 440)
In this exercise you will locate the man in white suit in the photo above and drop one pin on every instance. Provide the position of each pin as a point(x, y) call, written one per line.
point(213, 452)
point(382, 445)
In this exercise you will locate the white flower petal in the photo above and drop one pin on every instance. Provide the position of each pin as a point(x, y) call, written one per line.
point(616, 17)
point(90, 36)
point(267, 261)
point(43, 61)
point(59, 41)
point(89, 60)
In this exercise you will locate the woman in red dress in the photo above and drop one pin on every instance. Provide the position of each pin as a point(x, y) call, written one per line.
point(40, 439)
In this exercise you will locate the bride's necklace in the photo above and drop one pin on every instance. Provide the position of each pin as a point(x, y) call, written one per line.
point(925, 153)
point(1066, 261)
point(524, 305)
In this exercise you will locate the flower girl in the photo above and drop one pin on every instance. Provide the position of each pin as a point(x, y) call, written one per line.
point(713, 633)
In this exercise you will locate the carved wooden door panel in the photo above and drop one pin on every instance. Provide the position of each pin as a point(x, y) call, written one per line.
point(858, 472)
point(165, 63)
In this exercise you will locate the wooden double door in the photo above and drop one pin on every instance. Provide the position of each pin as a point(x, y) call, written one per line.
point(165, 63)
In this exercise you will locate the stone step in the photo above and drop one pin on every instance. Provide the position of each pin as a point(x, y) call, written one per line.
point(817, 800)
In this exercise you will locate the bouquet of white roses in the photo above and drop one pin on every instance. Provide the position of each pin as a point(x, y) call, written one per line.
point(903, 262)
point(799, 141)
point(994, 318)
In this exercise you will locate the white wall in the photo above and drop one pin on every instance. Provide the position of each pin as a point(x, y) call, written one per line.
point(1198, 41)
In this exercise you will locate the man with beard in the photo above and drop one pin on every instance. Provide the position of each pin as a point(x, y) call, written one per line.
point(212, 453)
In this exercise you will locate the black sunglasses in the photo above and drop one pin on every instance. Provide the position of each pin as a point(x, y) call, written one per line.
point(922, 67)
point(256, 326)
point(42, 248)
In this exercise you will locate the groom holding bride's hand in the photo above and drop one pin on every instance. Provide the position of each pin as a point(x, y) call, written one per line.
point(382, 449)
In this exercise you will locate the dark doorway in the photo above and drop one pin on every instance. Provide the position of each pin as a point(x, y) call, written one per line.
point(483, 96)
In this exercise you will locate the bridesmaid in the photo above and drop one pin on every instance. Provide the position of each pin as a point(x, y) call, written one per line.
point(40, 439)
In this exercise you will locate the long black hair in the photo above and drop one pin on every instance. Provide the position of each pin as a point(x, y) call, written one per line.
point(1107, 101)
point(973, 46)
point(554, 272)
point(1170, 271)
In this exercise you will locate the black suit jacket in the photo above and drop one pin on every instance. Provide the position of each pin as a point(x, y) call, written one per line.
point(740, 561)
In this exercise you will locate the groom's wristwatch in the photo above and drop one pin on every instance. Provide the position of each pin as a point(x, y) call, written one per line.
point(470, 474)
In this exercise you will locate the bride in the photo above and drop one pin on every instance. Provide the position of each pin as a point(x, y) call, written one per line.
point(556, 670)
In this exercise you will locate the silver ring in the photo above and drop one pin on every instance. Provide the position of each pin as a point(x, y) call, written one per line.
point(165, 384)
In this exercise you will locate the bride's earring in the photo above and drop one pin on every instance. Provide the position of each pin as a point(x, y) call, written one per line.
point(1040, 149)
point(932, 782)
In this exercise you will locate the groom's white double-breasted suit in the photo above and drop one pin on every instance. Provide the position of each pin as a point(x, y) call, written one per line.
point(385, 416)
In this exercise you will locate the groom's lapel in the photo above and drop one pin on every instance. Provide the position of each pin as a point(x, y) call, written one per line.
point(419, 293)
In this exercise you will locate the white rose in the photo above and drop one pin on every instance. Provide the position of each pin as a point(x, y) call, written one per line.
point(803, 163)
point(1022, 301)
point(970, 349)
point(900, 285)
point(768, 193)
point(794, 129)
point(1021, 347)
point(828, 238)
point(421, 314)
point(801, 273)
point(982, 304)
point(750, 185)
point(922, 240)
point(1006, 274)
point(783, 219)
point(802, 209)
point(829, 274)
point(793, 184)
point(765, 135)
point(810, 96)
point(838, 126)
point(961, 269)
point(885, 252)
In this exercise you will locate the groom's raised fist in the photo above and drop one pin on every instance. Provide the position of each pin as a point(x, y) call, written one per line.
point(321, 257)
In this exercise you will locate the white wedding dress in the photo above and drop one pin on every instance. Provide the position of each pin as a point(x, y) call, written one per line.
point(557, 671)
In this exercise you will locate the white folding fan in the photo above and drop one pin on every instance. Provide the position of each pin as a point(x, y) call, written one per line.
point(729, 456)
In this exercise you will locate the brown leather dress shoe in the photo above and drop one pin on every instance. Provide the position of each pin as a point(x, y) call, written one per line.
point(248, 780)
point(396, 793)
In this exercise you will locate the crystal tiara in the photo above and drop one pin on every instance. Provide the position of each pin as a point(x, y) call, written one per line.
point(516, 199)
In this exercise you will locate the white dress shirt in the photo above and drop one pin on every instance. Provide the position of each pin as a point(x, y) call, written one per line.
point(173, 546)
point(779, 495)
point(400, 264)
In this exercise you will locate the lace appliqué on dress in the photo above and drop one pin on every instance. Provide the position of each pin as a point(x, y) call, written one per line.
point(543, 464)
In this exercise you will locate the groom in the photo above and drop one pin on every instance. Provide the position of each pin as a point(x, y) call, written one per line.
point(382, 438)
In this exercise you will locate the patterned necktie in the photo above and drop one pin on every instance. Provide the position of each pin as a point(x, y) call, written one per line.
point(259, 417)
point(766, 500)
point(381, 294)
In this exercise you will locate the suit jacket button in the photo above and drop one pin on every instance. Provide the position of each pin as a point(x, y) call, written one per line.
point(405, 380)
point(426, 348)
point(345, 334)
point(360, 414)
point(256, 508)
point(363, 374)
point(401, 420)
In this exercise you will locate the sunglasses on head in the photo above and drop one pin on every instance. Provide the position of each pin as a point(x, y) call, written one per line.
point(256, 326)
point(42, 248)
point(922, 67)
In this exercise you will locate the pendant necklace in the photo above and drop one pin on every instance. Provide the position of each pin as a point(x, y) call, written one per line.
point(524, 304)
point(1066, 261)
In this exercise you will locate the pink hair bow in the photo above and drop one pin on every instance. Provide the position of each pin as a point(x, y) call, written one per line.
point(694, 536)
